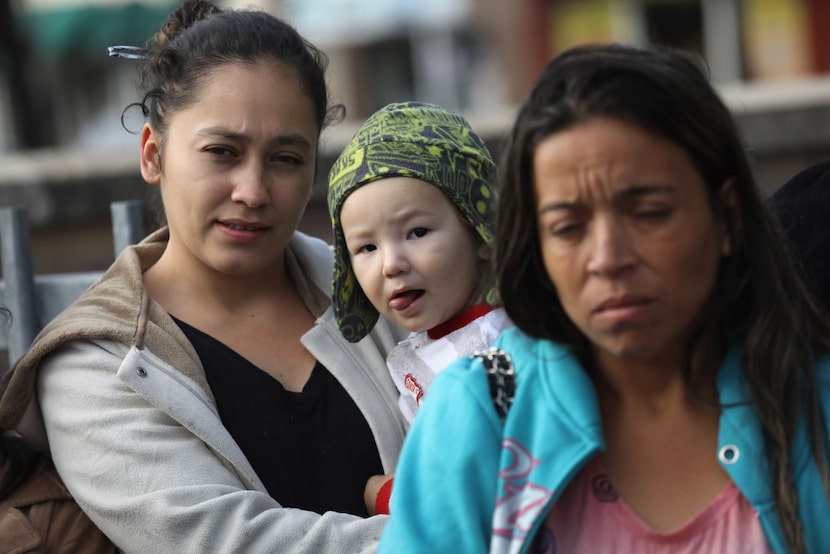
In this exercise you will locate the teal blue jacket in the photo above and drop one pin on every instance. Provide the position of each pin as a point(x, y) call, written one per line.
point(464, 486)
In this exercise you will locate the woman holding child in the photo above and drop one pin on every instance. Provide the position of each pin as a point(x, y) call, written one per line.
point(199, 397)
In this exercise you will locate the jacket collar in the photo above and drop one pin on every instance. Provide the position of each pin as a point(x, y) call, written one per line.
point(109, 311)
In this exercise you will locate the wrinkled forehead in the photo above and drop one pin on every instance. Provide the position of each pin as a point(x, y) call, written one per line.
point(602, 159)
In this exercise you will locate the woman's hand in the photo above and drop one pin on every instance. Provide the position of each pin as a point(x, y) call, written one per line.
point(373, 487)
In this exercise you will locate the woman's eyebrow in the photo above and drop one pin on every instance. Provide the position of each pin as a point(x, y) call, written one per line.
point(636, 191)
point(285, 139)
point(558, 206)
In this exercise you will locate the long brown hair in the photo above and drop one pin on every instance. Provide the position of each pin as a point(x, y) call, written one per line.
point(760, 302)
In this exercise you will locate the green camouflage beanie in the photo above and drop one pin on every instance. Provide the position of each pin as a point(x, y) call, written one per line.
point(415, 140)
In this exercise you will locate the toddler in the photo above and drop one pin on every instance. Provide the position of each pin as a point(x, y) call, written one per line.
point(411, 200)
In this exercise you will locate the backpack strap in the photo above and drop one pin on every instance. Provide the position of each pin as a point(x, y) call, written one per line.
point(502, 378)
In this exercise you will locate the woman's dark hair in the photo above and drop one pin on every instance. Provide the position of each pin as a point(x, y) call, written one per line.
point(801, 205)
point(760, 302)
point(198, 37)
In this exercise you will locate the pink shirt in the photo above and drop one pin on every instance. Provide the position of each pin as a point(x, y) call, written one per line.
point(591, 517)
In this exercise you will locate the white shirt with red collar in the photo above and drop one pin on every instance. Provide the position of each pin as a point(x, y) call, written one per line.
point(415, 361)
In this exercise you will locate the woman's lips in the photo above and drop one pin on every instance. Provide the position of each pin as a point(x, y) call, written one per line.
point(242, 225)
point(244, 231)
point(622, 308)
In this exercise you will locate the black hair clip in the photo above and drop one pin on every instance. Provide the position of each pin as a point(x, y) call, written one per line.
point(128, 52)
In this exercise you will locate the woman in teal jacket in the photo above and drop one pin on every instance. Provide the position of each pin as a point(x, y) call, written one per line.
point(672, 389)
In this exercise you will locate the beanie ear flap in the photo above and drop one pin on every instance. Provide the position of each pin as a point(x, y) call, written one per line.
point(355, 315)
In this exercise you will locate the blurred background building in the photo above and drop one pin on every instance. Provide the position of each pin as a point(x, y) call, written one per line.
point(65, 155)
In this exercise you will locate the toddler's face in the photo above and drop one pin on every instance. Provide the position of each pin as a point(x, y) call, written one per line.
point(413, 256)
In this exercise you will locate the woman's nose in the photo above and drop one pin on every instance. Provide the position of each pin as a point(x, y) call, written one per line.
point(250, 187)
point(611, 249)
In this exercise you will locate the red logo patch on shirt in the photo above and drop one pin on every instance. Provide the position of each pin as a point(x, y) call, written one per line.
point(412, 385)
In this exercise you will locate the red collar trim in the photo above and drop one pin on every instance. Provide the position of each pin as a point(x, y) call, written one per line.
point(459, 321)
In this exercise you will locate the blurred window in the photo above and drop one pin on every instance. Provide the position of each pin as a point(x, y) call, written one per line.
point(383, 73)
point(678, 24)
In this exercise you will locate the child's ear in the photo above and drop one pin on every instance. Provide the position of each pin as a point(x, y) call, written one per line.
point(485, 252)
point(731, 222)
point(150, 155)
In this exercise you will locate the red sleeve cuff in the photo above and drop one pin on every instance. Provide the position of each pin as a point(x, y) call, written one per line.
point(382, 499)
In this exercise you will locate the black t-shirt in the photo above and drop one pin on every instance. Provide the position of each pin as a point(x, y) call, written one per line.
point(312, 449)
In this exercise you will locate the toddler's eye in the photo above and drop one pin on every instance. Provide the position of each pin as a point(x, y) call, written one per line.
point(418, 232)
point(367, 248)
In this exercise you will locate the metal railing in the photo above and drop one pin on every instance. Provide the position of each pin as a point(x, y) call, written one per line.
point(35, 299)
